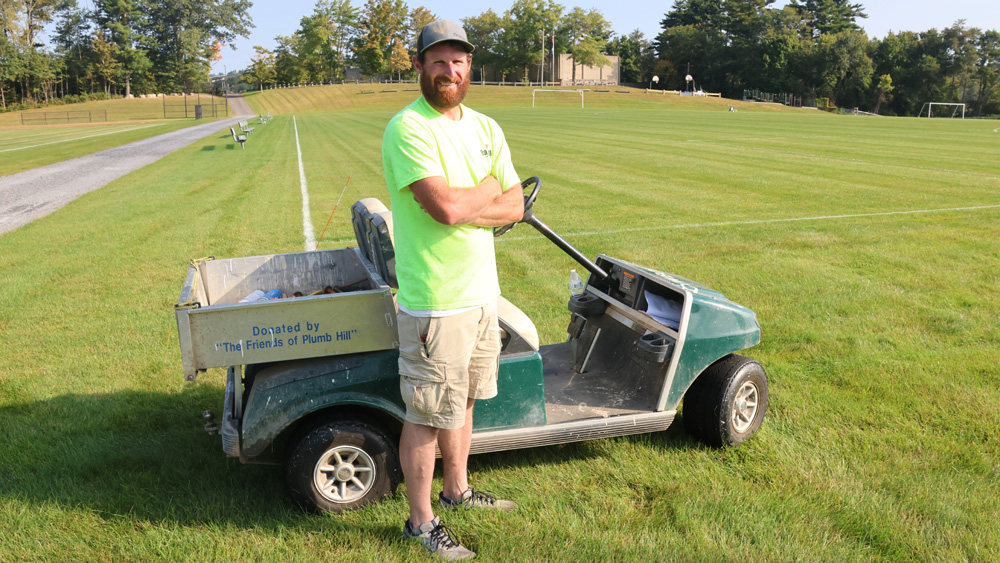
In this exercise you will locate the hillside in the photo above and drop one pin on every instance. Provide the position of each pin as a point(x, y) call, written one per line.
point(346, 97)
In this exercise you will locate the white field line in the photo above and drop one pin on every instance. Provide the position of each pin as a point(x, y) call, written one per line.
point(348, 240)
point(759, 222)
point(307, 226)
point(844, 158)
point(84, 137)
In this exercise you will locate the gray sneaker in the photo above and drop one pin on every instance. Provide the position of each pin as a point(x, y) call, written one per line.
point(472, 498)
point(437, 539)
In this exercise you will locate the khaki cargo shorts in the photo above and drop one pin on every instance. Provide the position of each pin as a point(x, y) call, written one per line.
point(444, 361)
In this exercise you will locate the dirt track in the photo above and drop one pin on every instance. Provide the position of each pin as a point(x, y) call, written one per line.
point(28, 195)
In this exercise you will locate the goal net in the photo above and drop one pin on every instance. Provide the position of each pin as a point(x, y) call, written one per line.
point(942, 109)
point(557, 97)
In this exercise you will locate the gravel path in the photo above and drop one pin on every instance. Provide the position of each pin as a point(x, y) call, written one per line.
point(31, 194)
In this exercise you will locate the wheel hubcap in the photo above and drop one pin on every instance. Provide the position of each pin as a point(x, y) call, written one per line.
point(344, 474)
point(745, 407)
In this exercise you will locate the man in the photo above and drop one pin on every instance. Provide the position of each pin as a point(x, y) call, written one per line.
point(450, 179)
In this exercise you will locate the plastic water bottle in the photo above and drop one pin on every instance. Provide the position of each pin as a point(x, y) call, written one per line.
point(253, 297)
point(575, 283)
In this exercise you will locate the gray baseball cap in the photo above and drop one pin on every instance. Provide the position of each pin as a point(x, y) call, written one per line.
point(440, 31)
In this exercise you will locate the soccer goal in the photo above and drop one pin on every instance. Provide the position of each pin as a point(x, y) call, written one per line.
point(536, 91)
point(928, 108)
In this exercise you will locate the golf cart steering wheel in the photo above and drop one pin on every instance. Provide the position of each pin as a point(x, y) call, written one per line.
point(529, 201)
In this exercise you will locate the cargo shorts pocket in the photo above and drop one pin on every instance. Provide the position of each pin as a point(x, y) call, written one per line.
point(425, 393)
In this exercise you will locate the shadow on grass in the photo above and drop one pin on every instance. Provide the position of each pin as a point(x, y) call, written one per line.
point(146, 455)
point(208, 148)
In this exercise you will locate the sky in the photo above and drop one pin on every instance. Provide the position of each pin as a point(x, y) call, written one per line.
point(273, 18)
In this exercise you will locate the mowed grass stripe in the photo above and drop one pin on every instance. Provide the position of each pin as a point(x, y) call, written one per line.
point(18, 138)
point(51, 140)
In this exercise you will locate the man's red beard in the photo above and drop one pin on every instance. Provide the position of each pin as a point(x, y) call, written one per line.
point(446, 99)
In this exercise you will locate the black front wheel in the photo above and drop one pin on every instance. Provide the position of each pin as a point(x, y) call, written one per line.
point(726, 404)
point(342, 466)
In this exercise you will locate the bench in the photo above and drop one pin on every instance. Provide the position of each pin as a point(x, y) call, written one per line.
point(245, 127)
point(238, 138)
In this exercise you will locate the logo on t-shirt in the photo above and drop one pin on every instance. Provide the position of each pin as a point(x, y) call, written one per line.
point(487, 151)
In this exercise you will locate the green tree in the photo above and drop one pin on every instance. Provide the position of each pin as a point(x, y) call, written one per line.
point(262, 68)
point(988, 73)
point(827, 16)
point(694, 38)
point(419, 17)
point(883, 90)
point(400, 60)
point(121, 22)
point(960, 60)
point(72, 41)
point(180, 36)
point(520, 44)
point(343, 20)
point(106, 64)
point(588, 34)
point(287, 60)
point(746, 24)
point(635, 57)
point(486, 32)
point(12, 68)
point(844, 67)
point(382, 25)
point(897, 55)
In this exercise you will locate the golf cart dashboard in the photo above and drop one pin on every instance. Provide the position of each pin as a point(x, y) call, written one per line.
point(622, 284)
point(634, 290)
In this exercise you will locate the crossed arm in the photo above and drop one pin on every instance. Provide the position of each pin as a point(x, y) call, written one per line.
point(485, 205)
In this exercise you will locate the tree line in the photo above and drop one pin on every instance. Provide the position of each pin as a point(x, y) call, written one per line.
point(379, 39)
point(811, 49)
point(808, 49)
point(816, 49)
point(117, 47)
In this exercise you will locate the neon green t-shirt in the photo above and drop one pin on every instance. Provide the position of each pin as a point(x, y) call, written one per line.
point(441, 267)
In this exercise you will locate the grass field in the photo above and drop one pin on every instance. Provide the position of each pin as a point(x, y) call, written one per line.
point(868, 248)
point(23, 147)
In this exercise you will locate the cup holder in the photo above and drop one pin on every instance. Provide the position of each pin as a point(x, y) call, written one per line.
point(655, 347)
point(587, 304)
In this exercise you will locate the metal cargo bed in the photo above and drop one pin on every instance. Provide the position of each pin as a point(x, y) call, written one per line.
point(216, 330)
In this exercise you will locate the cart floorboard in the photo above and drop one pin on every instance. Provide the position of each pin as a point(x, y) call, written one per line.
point(596, 393)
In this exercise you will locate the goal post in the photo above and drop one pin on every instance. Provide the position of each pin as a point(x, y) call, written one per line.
point(537, 90)
point(928, 108)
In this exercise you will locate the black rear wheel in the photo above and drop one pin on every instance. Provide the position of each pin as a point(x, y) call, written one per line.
point(726, 404)
point(342, 466)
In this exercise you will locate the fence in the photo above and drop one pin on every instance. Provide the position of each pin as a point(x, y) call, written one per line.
point(784, 99)
point(77, 116)
point(194, 106)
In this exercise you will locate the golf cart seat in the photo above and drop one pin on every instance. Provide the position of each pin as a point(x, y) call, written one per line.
point(373, 231)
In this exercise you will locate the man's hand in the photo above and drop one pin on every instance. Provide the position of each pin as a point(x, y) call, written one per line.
point(455, 206)
point(508, 208)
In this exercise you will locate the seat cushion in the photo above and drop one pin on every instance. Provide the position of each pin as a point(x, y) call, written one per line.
point(518, 321)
